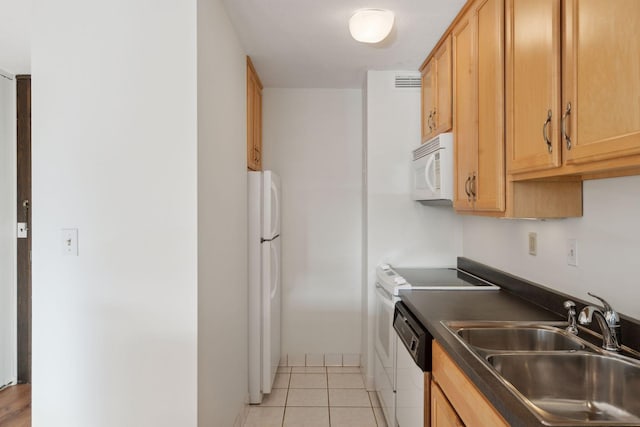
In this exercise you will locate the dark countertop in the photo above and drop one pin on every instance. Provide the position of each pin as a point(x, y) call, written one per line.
point(431, 307)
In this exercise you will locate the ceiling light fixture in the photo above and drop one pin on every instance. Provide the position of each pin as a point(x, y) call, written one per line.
point(371, 25)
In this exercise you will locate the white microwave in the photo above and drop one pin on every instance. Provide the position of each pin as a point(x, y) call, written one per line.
point(433, 170)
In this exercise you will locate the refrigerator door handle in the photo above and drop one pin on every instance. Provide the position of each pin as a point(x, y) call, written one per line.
point(276, 276)
point(276, 216)
point(262, 239)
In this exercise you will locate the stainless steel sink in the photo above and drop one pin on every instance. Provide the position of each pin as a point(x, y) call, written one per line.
point(563, 379)
point(519, 338)
point(565, 388)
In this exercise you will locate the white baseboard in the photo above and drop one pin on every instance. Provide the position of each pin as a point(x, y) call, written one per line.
point(320, 359)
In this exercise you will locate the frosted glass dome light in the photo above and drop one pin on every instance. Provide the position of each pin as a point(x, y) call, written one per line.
point(371, 25)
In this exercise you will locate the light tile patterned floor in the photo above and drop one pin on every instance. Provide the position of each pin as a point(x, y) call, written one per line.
point(317, 397)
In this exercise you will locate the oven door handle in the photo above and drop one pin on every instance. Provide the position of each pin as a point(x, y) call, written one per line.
point(385, 296)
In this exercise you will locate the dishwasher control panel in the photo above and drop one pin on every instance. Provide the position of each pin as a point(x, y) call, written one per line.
point(413, 336)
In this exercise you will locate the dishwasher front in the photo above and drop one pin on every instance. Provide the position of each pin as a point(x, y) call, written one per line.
point(412, 376)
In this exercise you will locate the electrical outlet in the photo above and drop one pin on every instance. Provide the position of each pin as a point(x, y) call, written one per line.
point(533, 243)
point(572, 252)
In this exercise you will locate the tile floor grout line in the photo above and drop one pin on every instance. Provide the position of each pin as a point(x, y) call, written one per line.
point(328, 402)
point(374, 411)
point(284, 412)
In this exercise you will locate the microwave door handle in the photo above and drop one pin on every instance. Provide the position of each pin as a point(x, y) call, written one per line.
point(427, 173)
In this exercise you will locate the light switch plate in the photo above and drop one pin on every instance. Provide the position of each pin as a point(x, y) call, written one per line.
point(70, 241)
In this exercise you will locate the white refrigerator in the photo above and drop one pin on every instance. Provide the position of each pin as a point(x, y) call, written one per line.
point(264, 282)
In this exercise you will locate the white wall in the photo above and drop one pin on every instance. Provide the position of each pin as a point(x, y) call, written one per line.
point(115, 156)
point(313, 139)
point(15, 32)
point(400, 231)
point(608, 245)
point(222, 220)
point(8, 325)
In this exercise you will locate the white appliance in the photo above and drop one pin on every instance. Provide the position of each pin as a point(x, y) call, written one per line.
point(385, 344)
point(412, 340)
point(264, 282)
point(432, 169)
point(399, 383)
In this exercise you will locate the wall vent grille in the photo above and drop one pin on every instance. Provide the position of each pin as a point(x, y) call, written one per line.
point(408, 82)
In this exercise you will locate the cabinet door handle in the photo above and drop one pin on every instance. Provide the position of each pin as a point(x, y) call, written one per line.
point(433, 119)
point(466, 188)
point(565, 117)
point(473, 186)
point(429, 120)
point(544, 131)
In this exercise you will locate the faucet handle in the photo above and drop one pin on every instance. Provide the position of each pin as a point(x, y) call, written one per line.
point(610, 314)
point(571, 317)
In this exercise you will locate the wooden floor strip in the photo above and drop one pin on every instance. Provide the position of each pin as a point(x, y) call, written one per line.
point(15, 406)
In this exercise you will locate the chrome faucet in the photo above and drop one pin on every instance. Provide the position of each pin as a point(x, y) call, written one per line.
point(570, 306)
point(608, 320)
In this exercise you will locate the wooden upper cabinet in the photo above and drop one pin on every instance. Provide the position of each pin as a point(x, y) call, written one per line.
point(489, 186)
point(478, 125)
point(254, 118)
point(436, 92)
point(590, 87)
point(428, 100)
point(442, 111)
point(533, 84)
point(464, 112)
point(601, 79)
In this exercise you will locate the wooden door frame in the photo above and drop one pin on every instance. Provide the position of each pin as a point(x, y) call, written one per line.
point(23, 148)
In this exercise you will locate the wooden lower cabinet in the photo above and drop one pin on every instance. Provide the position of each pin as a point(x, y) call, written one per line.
point(455, 400)
point(442, 413)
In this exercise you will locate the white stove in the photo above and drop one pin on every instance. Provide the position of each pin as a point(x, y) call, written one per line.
point(433, 279)
point(395, 372)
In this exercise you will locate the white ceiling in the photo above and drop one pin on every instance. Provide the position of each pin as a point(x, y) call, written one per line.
point(15, 36)
point(306, 43)
point(293, 43)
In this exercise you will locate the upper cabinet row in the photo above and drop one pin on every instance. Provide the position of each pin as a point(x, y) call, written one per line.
point(573, 85)
point(254, 118)
point(543, 94)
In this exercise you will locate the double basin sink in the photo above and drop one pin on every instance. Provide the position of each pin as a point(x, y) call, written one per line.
point(561, 378)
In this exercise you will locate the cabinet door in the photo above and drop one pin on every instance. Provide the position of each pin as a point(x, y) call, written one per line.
point(257, 128)
point(533, 84)
point(254, 119)
point(251, 101)
point(428, 101)
point(464, 128)
point(442, 413)
point(442, 110)
point(602, 79)
point(469, 403)
point(489, 183)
